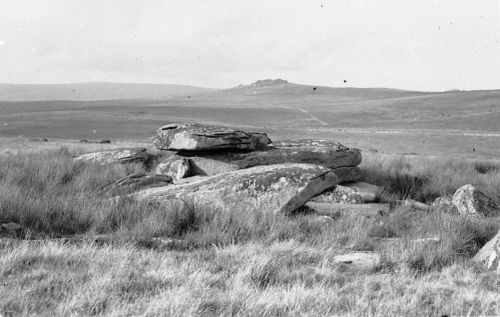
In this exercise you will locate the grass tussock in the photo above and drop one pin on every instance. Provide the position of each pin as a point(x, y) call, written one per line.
point(284, 278)
point(425, 178)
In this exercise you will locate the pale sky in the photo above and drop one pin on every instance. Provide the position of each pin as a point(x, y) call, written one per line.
point(409, 44)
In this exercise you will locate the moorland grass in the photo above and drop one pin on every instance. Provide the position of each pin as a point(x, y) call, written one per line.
point(236, 264)
point(425, 178)
point(280, 279)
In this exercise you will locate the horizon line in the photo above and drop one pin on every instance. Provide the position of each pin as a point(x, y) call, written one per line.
point(238, 85)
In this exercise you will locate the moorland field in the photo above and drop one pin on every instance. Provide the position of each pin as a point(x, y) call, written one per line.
point(81, 253)
point(388, 120)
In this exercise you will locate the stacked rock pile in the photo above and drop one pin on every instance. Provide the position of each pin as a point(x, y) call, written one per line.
point(230, 170)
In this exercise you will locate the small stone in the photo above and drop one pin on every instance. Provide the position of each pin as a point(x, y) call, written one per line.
point(444, 204)
point(368, 192)
point(357, 261)
point(175, 166)
point(10, 227)
point(469, 200)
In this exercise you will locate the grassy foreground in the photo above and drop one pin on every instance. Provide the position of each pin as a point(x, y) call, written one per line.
point(236, 264)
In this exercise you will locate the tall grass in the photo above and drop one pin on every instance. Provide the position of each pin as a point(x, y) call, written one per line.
point(426, 178)
point(49, 194)
point(237, 263)
point(281, 279)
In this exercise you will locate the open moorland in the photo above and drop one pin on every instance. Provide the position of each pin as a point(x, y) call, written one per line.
point(393, 121)
point(74, 244)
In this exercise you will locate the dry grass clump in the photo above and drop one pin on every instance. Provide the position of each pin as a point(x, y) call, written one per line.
point(283, 278)
point(457, 239)
point(426, 178)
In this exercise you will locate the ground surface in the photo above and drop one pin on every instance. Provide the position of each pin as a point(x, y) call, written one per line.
point(79, 254)
point(393, 121)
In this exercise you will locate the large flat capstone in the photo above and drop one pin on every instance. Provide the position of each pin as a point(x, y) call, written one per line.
point(197, 137)
point(266, 189)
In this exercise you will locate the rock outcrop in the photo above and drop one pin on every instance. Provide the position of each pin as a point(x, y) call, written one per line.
point(469, 200)
point(268, 82)
point(489, 255)
point(342, 160)
point(175, 166)
point(266, 189)
point(123, 155)
point(340, 194)
point(196, 137)
point(213, 164)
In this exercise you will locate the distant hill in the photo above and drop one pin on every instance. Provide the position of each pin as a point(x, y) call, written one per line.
point(283, 94)
point(94, 91)
point(282, 87)
point(388, 119)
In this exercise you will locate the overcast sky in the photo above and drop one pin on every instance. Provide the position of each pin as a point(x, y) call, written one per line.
point(411, 44)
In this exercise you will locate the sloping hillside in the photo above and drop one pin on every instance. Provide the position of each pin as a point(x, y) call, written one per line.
point(93, 91)
point(281, 93)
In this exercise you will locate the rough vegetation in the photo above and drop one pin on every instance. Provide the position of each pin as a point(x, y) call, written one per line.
point(236, 263)
point(266, 232)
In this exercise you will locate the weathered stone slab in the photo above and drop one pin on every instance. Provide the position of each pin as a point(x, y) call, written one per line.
point(326, 153)
point(347, 174)
point(266, 189)
point(469, 200)
point(444, 204)
point(310, 143)
point(489, 255)
point(368, 192)
point(409, 205)
point(197, 137)
point(123, 155)
point(177, 167)
point(190, 179)
point(340, 194)
point(141, 180)
point(357, 261)
point(209, 167)
point(335, 209)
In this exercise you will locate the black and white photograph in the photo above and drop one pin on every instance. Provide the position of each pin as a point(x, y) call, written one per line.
point(249, 158)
